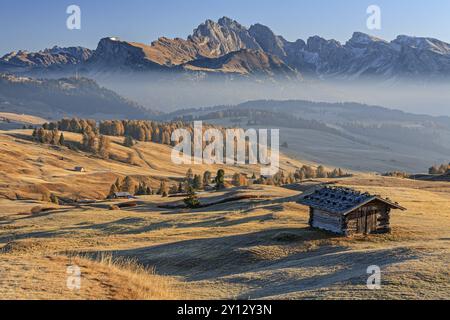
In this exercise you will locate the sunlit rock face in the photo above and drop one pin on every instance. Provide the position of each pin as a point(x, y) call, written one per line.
point(218, 47)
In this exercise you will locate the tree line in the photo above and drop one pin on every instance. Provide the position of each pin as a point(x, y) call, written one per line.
point(139, 130)
point(439, 169)
point(191, 183)
point(53, 136)
point(92, 142)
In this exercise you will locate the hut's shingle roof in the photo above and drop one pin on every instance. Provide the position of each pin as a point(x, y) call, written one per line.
point(340, 200)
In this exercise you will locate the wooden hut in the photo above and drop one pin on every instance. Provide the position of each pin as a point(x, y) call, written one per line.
point(122, 195)
point(347, 211)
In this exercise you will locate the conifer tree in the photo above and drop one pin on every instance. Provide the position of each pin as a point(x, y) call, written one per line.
point(61, 141)
point(192, 200)
point(220, 179)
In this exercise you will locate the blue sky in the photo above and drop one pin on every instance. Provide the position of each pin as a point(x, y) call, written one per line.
point(35, 25)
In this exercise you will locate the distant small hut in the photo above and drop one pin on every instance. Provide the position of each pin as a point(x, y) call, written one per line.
point(210, 187)
point(346, 211)
point(122, 195)
point(80, 169)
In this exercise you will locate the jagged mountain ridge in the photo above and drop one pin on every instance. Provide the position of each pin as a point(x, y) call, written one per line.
point(361, 56)
point(55, 56)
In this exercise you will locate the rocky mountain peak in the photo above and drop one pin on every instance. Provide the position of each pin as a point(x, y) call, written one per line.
point(47, 57)
point(223, 37)
point(267, 40)
point(230, 23)
point(360, 38)
point(79, 53)
point(318, 44)
point(112, 53)
point(108, 47)
point(422, 43)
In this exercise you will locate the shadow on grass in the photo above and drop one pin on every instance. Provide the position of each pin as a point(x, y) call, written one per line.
point(344, 268)
point(201, 259)
point(233, 260)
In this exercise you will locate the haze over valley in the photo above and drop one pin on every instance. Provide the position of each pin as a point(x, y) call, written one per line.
point(227, 62)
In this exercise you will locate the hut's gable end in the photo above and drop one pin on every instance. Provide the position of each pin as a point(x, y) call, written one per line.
point(363, 219)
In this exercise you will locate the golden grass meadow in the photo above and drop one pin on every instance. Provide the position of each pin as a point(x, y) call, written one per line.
point(255, 245)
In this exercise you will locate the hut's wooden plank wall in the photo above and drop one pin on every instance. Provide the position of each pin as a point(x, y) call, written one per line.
point(326, 221)
point(371, 218)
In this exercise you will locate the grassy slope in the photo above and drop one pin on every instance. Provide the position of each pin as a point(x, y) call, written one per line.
point(22, 118)
point(27, 167)
point(243, 249)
